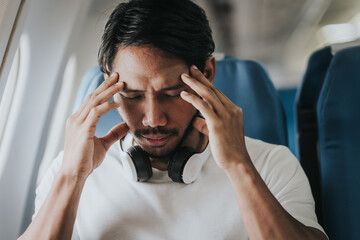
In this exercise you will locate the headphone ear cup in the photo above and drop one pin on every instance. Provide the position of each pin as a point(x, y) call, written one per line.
point(177, 163)
point(141, 162)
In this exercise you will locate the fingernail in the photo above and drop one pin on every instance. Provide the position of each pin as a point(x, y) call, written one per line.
point(119, 83)
point(113, 74)
point(184, 93)
point(116, 97)
point(195, 67)
point(186, 75)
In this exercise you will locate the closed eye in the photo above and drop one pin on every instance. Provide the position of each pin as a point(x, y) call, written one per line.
point(173, 95)
point(131, 97)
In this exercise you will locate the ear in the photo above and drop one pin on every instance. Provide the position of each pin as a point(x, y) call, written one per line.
point(210, 68)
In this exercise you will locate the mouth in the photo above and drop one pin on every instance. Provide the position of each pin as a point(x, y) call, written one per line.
point(156, 140)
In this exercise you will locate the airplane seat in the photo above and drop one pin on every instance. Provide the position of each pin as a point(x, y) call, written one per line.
point(338, 118)
point(246, 83)
point(305, 118)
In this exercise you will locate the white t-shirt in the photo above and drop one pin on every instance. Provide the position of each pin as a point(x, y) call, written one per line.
point(114, 207)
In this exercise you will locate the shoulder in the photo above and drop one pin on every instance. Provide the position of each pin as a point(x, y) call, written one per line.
point(265, 154)
point(285, 178)
point(276, 164)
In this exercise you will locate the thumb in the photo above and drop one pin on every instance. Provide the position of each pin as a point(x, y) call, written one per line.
point(200, 125)
point(116, 133)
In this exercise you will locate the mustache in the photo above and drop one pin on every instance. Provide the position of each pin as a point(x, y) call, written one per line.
point(157, 130)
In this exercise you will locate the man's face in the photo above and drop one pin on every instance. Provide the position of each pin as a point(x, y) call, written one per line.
point(150, 103)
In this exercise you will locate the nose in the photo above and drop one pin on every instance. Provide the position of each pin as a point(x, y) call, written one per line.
point(154, 114)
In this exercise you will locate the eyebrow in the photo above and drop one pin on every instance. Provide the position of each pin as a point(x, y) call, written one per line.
point(176, 87)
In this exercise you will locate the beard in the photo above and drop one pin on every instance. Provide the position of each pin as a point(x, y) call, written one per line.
point(159, 152)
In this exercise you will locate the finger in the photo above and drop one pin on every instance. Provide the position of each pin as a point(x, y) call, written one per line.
point(108, 93)
point(199, 104)
point(195, 72)
point(116, 133)
point(205, 92)
point(98, 111)
point(200, 125)
point(104, 85)
point(101, 98)
point(114, 77)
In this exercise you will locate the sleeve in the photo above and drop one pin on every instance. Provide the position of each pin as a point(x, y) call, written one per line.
point(287, 181)
point(44, 188)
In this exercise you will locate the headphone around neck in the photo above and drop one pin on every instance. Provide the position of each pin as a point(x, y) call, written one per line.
point(184, 166)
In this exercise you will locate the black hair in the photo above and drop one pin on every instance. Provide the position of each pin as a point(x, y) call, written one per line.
point(179, 27)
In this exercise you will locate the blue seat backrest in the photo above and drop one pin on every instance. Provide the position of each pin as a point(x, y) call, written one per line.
point(338, 114)
point(246, 83)
point(306, 123)
point(314, 77)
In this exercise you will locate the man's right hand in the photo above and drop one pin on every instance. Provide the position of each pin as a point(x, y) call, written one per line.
point(83, 151)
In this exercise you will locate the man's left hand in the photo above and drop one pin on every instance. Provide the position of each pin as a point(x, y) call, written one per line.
point(223, 121)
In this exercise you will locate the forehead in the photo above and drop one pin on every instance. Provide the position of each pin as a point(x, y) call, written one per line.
point(147, 68)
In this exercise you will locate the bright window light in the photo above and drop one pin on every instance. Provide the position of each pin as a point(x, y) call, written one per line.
point(14, 89)
point(339, 33)
point(356, 21)
point(7, 98)
point(55, 138)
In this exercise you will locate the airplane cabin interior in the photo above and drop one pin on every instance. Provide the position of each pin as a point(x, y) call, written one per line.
point(292, 66)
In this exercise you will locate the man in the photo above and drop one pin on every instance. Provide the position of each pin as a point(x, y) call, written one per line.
point(156, 57)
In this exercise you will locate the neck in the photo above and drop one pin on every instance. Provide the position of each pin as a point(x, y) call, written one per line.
point(197, 140)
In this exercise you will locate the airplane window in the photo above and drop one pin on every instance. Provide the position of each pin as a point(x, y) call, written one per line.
point(62, 110)
point(14, 89)
point(9, 15)
point(7, 97)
